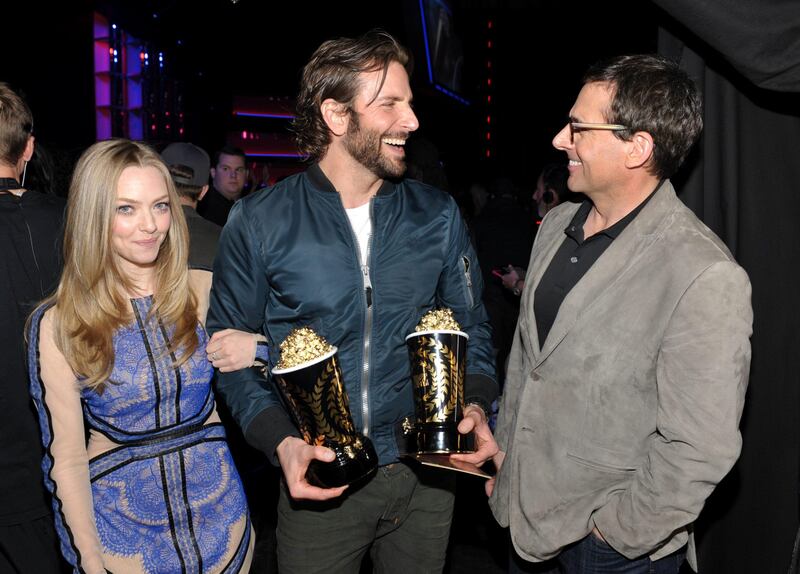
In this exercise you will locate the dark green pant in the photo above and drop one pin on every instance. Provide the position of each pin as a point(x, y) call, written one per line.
point(402, 516)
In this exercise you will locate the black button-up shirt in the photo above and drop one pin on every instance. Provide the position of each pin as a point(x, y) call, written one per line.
point(571, 262)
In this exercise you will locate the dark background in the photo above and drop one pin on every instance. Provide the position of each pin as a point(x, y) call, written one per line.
point(742, 179)
point(216, 50)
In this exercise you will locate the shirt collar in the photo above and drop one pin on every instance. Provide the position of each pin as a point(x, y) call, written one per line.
point(575, 227)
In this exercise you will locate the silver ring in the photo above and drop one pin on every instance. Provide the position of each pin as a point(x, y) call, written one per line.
point(214, 356)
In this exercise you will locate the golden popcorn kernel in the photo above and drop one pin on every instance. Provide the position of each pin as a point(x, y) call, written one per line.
point(300, 346)
point(438, 320)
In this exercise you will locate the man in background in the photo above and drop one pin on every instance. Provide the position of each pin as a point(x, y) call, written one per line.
point(228, 176)
point(31, 230)
point(189, 166)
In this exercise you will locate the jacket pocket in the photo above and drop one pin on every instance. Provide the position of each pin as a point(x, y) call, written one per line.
point(601, 466)
point(600, 456)
point(466, 267)
point(583, 482)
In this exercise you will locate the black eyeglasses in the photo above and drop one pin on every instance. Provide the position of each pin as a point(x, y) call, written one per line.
point(577, 127)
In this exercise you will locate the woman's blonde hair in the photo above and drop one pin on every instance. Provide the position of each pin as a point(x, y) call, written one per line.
point(91, 302)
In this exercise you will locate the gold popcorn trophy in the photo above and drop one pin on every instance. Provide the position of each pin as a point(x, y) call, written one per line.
point(310, 379)
point(438, 352)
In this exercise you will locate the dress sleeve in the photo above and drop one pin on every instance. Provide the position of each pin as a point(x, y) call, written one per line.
point(56, 396)
point(200, 283)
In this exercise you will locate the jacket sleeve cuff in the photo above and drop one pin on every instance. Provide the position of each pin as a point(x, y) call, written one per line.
point(262, 354)
point(480, 390)
point(266, 431)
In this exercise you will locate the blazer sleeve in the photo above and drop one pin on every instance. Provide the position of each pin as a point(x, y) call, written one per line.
point(460, 288)
point(56, 397)
point(702, 371)
point(238, 301)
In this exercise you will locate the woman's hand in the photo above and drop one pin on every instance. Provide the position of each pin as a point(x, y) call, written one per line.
point(231, 350)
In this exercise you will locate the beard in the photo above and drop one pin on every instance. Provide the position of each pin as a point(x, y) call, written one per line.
point(364, 145)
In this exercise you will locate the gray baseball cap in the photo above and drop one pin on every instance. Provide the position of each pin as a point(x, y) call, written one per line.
point(191, 156)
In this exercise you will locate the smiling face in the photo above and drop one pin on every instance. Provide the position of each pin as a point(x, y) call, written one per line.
point(596, 157)
point(380, 125)
point(141, 219)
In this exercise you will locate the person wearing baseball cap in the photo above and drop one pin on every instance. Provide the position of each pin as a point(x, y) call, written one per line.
point(189, 166)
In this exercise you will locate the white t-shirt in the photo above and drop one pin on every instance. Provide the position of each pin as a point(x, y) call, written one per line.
point(362, 227)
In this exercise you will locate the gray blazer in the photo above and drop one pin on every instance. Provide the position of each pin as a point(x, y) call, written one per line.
point(629, 414)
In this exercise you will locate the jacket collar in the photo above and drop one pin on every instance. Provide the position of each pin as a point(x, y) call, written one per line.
point(321, 181)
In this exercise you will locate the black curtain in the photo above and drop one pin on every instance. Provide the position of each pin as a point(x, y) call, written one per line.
point(743, 180)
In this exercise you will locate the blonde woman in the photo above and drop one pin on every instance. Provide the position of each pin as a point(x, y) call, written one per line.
point(119, 350)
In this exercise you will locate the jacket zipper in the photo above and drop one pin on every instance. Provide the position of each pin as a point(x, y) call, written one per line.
point(367, 325)
point(367, 283)
point(468, 279)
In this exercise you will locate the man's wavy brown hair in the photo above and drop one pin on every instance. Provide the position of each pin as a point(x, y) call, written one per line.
point(333, 72)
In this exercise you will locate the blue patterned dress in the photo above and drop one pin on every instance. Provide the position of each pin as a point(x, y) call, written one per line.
point(166, 496)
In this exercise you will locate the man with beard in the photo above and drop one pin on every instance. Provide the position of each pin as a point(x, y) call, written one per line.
point(360, 254)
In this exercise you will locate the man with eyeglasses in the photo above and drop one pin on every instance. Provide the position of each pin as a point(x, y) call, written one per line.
point(627, 377)
point(228, 176)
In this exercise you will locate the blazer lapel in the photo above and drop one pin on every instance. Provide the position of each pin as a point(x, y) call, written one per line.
point(548, 240)
point(623, 252)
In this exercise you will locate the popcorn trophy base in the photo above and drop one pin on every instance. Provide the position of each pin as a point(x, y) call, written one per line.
point(442, 438)
point(352, 463)
point(427, 456)
point(316, 397)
